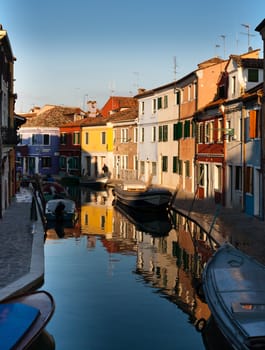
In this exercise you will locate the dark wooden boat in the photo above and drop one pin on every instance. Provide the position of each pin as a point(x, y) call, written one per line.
point(234, 288)
point(23, 319)
point(142, 197)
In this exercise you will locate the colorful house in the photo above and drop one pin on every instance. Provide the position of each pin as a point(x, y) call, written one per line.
point(96, 146)
point(38, 150)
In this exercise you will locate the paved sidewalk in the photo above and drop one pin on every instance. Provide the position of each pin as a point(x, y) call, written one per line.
point(22, 248)
point(243, 231)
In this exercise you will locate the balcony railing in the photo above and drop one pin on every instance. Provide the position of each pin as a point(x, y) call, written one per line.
point(9, 136)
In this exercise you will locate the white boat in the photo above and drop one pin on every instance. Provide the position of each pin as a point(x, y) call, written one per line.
point(234, 288)
point(99, 181)
point(62, 210)
point(138, 195)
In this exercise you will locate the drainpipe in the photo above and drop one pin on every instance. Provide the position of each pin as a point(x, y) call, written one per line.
point(224, 185)
point(243, 160)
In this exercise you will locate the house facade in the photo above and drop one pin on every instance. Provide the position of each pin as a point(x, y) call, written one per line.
point(38, 150)
point(96, 146)
point(125, 137)
point(70, 149)
point(8, 122)
point(226, 157)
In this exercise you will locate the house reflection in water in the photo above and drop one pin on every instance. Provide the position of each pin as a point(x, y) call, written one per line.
point(96, 215)
point(172, 263)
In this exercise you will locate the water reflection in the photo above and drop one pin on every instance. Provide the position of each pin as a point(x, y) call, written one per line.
point(169, 252)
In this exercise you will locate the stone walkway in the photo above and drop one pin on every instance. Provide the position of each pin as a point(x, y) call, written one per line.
point(21, 254)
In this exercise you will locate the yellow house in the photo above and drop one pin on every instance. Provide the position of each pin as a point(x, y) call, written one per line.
point(96, 146)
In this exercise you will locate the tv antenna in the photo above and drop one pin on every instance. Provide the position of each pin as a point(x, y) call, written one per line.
point(223, 37)
point(247, 26)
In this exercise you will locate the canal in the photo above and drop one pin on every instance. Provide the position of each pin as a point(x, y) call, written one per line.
point(125, 282)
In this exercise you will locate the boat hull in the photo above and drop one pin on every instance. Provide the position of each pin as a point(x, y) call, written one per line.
point(39, 300)
point(234, 288)
point(69, 215)
point(150, 199)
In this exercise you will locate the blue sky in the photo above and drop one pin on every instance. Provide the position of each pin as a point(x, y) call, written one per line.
point(71, 51)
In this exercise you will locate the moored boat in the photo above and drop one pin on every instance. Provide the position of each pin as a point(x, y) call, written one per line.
point(234, 288)
point(53, 190)
point(62, 210)
point(99, 182)
point(141, 197)
point(23, 319)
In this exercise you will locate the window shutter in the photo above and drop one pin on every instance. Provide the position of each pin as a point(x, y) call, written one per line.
point(252, 124)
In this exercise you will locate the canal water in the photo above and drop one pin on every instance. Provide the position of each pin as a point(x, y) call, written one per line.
point(123, 281)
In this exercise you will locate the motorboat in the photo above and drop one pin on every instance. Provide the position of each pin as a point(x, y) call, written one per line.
point(234, 288)
point(61, 210)
point(23, 319)
point(142, 197)
point(98, 182)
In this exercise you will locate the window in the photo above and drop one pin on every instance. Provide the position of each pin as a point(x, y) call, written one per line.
point(165, 101)
point(154, 106)
point(124, 135)
point(46, 162)
point(164, 163)
point(62, 162)
point(249, 179)
point(189, 92)
point(153, 133)
point(201, 175)
point(76, 138)
point(124, 162)
point(135, 163)
point(229, 132)
point(253, 75)
point(159, 103)
point(34, 139)
point(195, 90)
point(163, 133)
point(142, 134)
point(142, 107)
point(252, 132)
point(201, 133)
point(87, 138)
point(217, 177)
point(177, 131)
point(178, 97)
point(233, 85)
point(187, 168)
point(63, 138)
point(219, 131)
point(238, 180)
point(154, 168)
point(135, 134)
point(103, 138)
point(177, 165)
point(187, 128)
point(46, 139)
